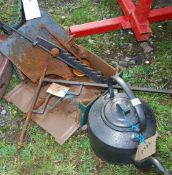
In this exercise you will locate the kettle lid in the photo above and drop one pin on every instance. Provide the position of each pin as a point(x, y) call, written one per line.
point(119, 114)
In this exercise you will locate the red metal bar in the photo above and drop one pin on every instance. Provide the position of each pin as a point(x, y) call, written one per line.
point(137, 17)
point(142, 10)
point(139, 20)
point(127, 6)
point(161, 14)
point(100, 26)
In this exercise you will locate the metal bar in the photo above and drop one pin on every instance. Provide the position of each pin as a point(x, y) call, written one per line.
point(127, 6)
point(142, 10)
point(55, 104)
point(144, 89)
point(29, 115)
point(59, 40)
point(139, 20)
point(34, 42)
point(161, 14)
point(11, 29)
point(98, 27)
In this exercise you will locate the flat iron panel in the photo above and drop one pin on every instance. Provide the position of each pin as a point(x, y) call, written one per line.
point(29, 59)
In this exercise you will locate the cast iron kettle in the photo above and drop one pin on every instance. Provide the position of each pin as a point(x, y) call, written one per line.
point(115, 123)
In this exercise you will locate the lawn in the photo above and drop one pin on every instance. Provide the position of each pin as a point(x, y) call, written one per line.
point(41, 155)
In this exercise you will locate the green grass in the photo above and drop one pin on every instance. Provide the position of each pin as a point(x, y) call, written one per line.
point(41, 155)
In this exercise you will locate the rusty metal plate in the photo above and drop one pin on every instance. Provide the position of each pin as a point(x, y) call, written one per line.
point(5, 74)
point(56, 67)
point(22, 101)
point(5, 70)
point(62, 121)
point(32, 60)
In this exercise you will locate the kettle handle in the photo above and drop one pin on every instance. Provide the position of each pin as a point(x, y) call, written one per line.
point(148, 162)
point(131, 96)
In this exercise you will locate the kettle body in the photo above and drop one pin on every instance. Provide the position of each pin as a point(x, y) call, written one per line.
point(110, 131)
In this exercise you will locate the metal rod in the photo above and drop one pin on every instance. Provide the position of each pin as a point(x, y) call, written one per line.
point(144, 89)
point(5, 26)
point(29, 115)
point(34, 42)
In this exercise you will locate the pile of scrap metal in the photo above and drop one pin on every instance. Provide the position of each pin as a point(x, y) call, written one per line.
point(44, 53)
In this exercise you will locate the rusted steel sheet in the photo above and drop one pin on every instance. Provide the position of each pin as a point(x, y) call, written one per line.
point(32, 60)
point(62, 121)
point(56, 67)
point(5, 70)
point(27, 88)
point(5, 74)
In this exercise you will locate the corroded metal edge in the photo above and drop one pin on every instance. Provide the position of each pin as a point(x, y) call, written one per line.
point(5, 71)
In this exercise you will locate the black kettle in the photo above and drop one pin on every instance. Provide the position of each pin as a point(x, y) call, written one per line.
point(117, 123)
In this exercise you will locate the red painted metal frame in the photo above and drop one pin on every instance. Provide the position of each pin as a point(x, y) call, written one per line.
point(136, 17)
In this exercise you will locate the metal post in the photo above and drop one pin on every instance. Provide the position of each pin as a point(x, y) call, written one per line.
point(142, 10)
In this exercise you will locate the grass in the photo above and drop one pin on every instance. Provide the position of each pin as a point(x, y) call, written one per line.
point(41, 154)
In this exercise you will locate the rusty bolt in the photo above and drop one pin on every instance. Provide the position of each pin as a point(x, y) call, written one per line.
point(54, 52)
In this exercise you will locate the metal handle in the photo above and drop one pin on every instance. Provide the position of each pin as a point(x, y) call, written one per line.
point(131, 96)
point(159, 166)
